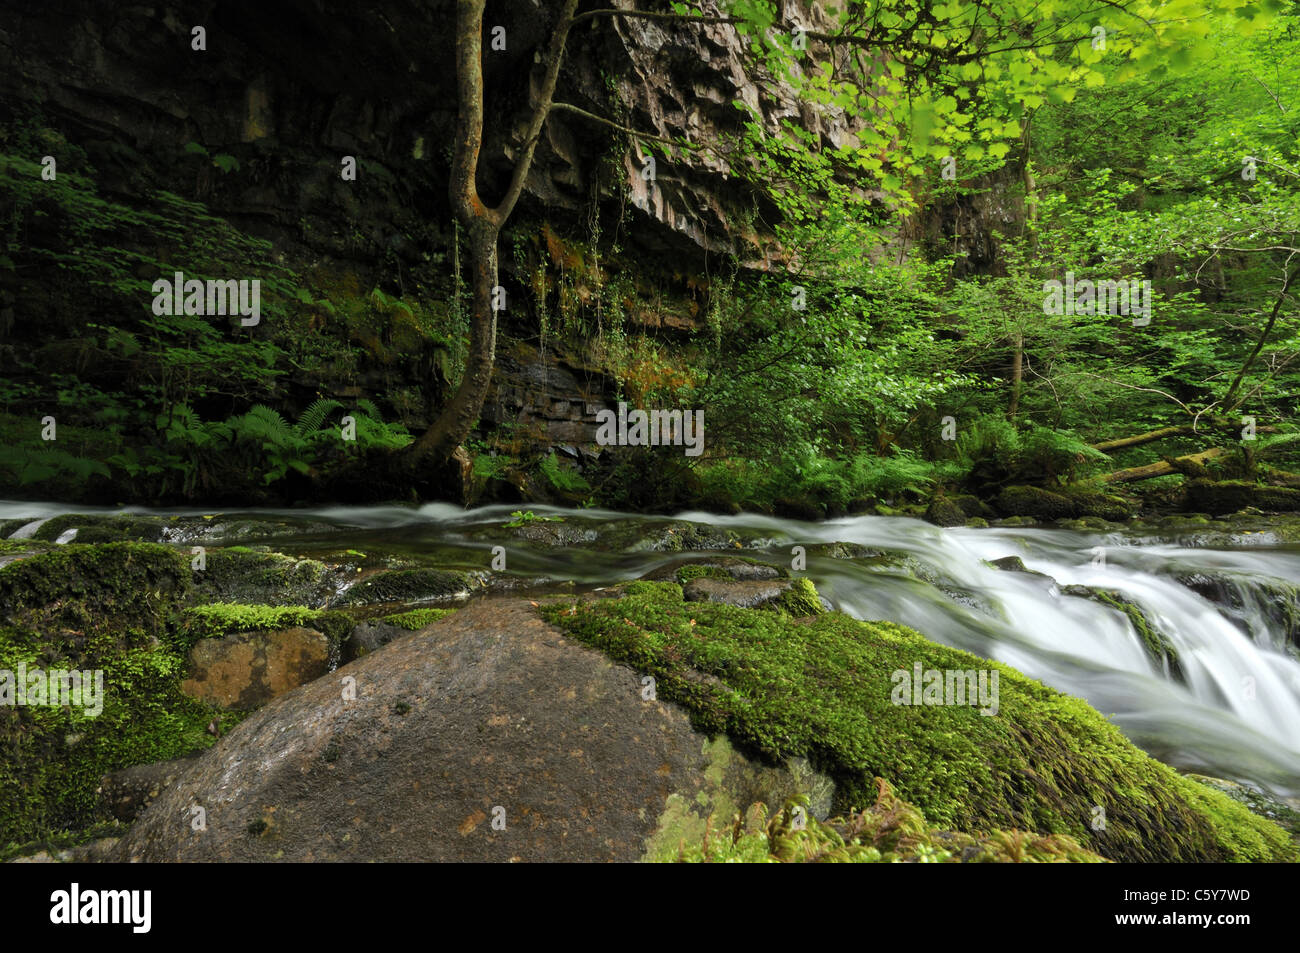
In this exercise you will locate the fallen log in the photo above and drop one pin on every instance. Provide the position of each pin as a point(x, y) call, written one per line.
point(1148, 437)
point(1163, 467)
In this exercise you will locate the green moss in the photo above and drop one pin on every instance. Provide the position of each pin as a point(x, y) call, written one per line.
point(222, 618)
point(821, 688)
point(697, 571)
point(78, 587)
point(101, 608)
point(1034, 501)
point(890, 831)
point(801, 599)
point(102, 529)
point(416, 618)
point(241, 574)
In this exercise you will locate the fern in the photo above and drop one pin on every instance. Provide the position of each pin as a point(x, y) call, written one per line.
point(368, 407)
point(264, 423)
point(315, 415)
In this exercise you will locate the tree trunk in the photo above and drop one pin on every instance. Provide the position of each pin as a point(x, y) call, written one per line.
point(1017, 376)
point(483, 224)
point(461, 414)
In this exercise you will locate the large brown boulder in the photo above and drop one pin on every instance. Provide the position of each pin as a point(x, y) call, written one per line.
point(486, 736)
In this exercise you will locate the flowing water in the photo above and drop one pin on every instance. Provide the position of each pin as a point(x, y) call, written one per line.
point(1235, 713)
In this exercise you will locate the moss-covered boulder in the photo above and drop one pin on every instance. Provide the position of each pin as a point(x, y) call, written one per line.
point(109, 610)
point(103, 529)
point(1034, 501)
point(412, 585)
point(972, 506)
point(716, 567)
point(490, 738)
point(824, 688)
point(239, 574)
point(945, 512)
point(888, 831)
point(796, 596)
point(1229, 496)
point(1096, 505)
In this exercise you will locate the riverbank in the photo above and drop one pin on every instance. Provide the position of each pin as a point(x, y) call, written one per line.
point(201, 620)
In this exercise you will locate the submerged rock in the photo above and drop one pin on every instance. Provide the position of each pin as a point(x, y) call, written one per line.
point(1158, 646)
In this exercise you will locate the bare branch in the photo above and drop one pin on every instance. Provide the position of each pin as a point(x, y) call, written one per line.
point(570, 108)
point(554, 56)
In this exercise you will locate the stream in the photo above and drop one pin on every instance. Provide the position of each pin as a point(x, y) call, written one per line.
point(1234, 714)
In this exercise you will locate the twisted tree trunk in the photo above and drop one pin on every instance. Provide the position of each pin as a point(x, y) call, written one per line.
point(481, 223)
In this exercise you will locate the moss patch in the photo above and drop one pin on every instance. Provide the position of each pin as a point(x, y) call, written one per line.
point(416, 618)
point(90, 608)
point(801, 599)
point(821, 688)
point(222, 618)
point(890, 831)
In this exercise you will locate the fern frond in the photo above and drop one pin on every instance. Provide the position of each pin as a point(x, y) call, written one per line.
point(264, 423)
point(315, 415)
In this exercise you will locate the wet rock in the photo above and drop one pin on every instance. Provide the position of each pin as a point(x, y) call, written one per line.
point(749, 594)
point(496, 741)
point(1009, 564)
point(412, 585)
point(1158, 646)
point(796, 596)
point(244, 575)
point(248, 669)
point(842, 550)
point(128, 792)
point(718, 567)
point(368, 636)
point(1236, 594)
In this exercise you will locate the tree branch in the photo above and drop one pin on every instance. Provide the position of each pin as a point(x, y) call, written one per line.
point(554, 56)
point(570, 108)
point(646, 15)
point(469, 117)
